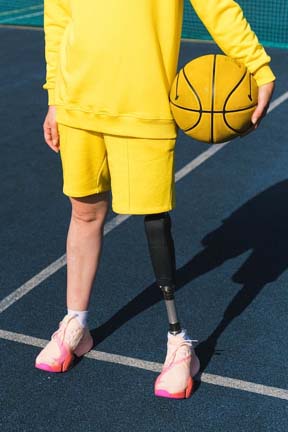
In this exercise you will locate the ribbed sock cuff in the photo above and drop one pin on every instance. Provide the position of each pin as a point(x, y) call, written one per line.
point(82, 316)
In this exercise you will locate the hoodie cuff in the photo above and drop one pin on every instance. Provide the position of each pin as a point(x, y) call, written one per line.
point(51, 96)
point(264, 75)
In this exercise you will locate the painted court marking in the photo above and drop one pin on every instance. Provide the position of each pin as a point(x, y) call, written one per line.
point(128, 361)
point(215, 148)
point(156, 367)
point(51, 269)
point(115, 222)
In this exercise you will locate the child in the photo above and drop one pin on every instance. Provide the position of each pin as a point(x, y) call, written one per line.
point(110, 66)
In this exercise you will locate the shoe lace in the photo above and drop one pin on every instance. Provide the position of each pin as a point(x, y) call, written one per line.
point(61, 332)
point(185, 342)
point(62, 329)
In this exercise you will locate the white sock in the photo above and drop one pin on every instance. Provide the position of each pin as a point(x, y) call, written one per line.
point(82, 316)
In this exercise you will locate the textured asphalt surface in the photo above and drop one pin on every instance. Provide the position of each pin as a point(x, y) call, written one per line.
point(230, 228)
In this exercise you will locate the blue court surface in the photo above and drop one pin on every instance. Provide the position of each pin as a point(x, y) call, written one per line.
point(231, 234)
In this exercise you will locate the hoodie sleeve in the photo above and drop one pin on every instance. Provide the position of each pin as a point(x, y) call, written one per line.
point(56, 18)
point(230, 30)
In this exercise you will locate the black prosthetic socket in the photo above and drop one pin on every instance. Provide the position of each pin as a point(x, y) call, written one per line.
point(161, 248)
point(162, 253)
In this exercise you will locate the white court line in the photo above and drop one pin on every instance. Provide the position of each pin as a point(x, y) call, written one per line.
point(26, 9)
point(17, 18)
point(215, 148)
point(278, 102)
point(118, 220)
point(51, 269)
point(218, 380)
point(199, 160)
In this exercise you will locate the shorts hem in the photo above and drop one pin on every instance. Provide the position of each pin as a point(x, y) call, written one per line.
point(138, 211)
point(84, 194)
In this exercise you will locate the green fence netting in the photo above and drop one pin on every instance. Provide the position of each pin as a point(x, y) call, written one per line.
point(268, 18)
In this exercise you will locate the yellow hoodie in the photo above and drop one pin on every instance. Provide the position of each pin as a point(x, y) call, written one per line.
point(111, 63)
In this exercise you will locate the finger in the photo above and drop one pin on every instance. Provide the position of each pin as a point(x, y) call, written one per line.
point(259, 113)
point(264, 96)
point(47, 134)
point(49, 139)
point(55, 134)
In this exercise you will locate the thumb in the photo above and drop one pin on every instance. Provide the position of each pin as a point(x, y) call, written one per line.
point(264, 96)
point(258, 113)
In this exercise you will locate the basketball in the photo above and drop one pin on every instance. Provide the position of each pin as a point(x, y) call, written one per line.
point(213, 97)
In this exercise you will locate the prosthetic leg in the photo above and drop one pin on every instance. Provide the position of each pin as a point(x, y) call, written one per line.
point(181, 363)
point(161, 248)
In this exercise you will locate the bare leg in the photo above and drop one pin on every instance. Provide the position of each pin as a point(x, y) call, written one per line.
point(84, 244)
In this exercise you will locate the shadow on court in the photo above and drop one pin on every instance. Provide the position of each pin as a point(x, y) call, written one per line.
point(260, 225)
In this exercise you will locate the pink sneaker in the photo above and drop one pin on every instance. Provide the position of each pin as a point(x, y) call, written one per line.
point(181, 364)
point(69, 340)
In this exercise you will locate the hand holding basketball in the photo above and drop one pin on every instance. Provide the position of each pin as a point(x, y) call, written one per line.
point(214, 99)
point(264, 96)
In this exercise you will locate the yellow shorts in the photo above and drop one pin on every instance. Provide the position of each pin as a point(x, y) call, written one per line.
point(140, 172)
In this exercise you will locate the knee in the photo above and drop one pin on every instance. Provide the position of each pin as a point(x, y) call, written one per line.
point(85, 216)
point(87, 212)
